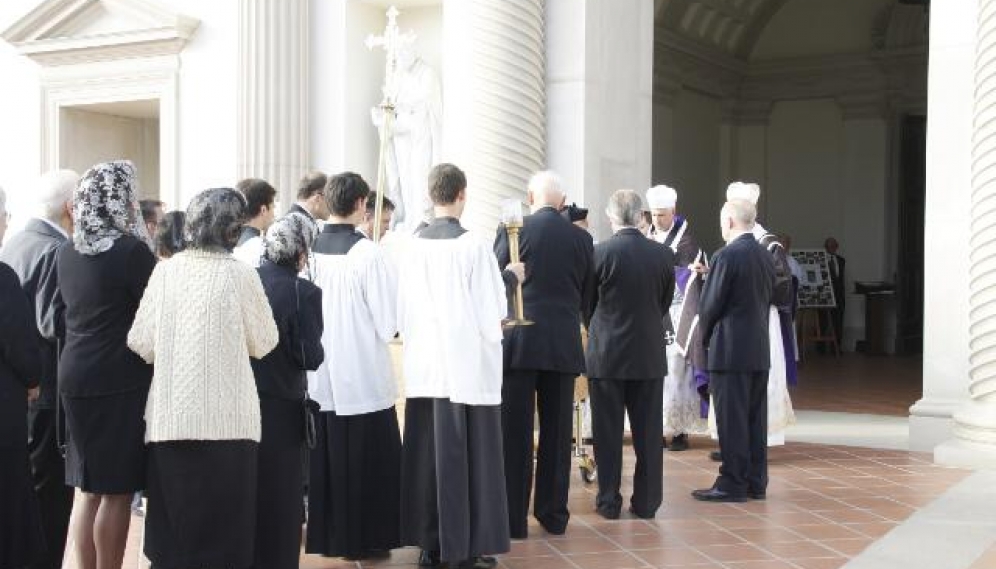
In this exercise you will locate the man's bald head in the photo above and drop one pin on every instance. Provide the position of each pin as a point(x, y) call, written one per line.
point(545, 189)
point(736, 217)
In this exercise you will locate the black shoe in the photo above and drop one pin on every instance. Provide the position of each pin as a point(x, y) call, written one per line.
point(716, 495)
point(428, 558)
point(757, 495)
point(479, 562)
point(641, 515)
point(716, 456)
point(608, 513)
point(679, 443)
point(553, 529)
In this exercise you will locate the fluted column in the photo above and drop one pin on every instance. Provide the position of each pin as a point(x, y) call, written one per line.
point(975, 422)
point(494, 102)
point(273, 93)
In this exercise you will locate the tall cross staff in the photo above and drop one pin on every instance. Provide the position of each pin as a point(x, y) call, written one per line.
point(391, 41)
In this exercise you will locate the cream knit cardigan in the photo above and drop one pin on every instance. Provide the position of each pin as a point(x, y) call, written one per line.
point(202, 317)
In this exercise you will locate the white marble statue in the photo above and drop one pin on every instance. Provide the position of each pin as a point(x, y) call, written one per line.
point(415, 137)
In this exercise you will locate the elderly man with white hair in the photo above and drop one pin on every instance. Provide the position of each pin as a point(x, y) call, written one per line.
point(683, 411)
point(781, 344)
point(541, 361)
point(733, 314)
point(627, 325)
point(31, 253)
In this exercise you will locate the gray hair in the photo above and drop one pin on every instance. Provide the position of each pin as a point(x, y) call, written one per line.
point(625, 207)
point(546, 188)
point(214, 219)
point(288, 238)
point(742, 212)
point(52, 192)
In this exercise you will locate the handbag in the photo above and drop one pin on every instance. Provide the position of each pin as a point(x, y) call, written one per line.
point(309, 406)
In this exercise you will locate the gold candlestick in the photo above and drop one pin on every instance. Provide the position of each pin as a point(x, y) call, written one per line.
point(512, 217)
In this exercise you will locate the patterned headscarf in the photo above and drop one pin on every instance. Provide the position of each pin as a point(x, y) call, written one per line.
point(105, 207)
point(289, 237)
point(214, 219)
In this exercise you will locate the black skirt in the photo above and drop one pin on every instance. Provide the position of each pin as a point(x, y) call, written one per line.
point(201, 504)
point(105, 442)
point(21, 537)
point(355, 490)
point(280, 492)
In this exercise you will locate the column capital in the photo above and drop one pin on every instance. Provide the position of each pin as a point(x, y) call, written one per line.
point(747, 112)
point(871, 105)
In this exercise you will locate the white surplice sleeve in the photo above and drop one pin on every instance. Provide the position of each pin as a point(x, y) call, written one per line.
point(487, 290)
point(381, 293)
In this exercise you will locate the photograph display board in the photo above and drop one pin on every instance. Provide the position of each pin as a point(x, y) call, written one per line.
point(815, 288)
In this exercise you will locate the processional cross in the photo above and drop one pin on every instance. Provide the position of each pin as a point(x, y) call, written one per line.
point(392, 41)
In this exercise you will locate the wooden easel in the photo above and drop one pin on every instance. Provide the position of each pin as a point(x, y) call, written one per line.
point(811, 323)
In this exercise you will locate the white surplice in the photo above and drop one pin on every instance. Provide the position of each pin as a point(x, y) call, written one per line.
point(450, 305)
point(359, 295)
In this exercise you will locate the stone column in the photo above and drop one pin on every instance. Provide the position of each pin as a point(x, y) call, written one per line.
point(494, 101)
point(273, 110)
point(600, 81)
point(974, 444)
point(946, 234)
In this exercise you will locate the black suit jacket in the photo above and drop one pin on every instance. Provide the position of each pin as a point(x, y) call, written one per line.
point(559, 283)
point(31, 253)
point(102, 293)
point(734, 307)
point(626, 318)
point(20, 361)
point(297, 310)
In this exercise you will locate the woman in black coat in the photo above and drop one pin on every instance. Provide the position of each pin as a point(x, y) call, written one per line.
point(21, 541)
point(102, 276)
point(281, 380)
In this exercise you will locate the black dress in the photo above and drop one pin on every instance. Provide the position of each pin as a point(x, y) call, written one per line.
point(281, 380)
point(21, 537)
point(103, 383)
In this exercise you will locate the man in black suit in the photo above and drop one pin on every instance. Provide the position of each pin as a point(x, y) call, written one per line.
point(838, 283)
point(31, 253)
point(627, 325)
point(541, 361)
point(311, 196)
point(733, 314)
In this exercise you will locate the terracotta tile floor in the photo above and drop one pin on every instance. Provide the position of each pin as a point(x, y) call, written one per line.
point(825, 505)
point(856, 383)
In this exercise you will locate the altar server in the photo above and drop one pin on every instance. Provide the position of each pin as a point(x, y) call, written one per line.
point(354, 488)
point(450, 306)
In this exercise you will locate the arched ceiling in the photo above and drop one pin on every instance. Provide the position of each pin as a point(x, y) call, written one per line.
point(734, 28)
point(730, 26)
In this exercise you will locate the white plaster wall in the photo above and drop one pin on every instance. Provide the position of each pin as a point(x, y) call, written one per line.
point(951, 83)
point(20, 117)
point(814, 27)
point(696, 165)
point(802, 196)
point(89, 138)
point(208, 98)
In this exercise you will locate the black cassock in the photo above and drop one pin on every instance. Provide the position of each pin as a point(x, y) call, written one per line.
point(453, 497)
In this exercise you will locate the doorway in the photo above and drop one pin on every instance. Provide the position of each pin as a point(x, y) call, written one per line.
point(124, 130)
